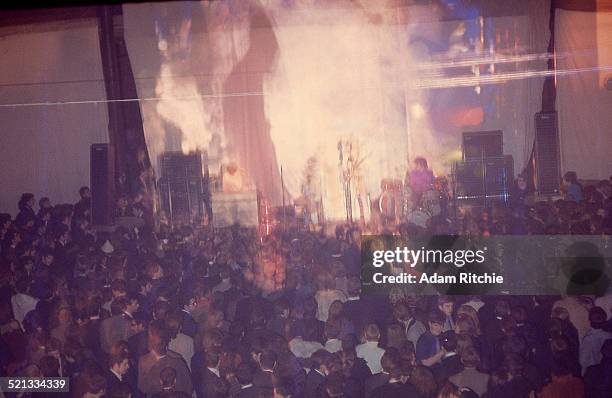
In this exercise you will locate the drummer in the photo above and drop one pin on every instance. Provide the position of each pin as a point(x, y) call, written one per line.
point(420, 179)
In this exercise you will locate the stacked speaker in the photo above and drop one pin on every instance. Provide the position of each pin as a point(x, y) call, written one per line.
point(182, 185)
point(485, 175)
point(546, 154)
point(102, 166)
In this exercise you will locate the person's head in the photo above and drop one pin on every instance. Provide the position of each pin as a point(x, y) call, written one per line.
point(396, 336)
point(470, 357)
point(335, 310)
point(189, 302)
point(161, 310)
point(267, 360)
point(502, 309)
point(47, 256)
point(448, 341)
point(465, 325)
point(349, 342)
point(423, 380)
point(94, 386)
point(420, 163)
point(44, 203)
point(446, 305)
point(390, 360)
point(319, 360)
point(402, 312)
point(371, 332)
point(26, 201)
point(119, 363)
point(167, 378)
point(137, 323)
point(213, 358)
point(435, 321)
point(84, 192)
point(353, 286)
point(449, 390)
point(570, 177)
point(469, 312)
point(597, 317)
point(157, 337)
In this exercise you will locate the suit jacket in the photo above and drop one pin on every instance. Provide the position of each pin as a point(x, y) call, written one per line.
point(149, 368)
point(113, 383)
point(375, 381)
point(314, 380)
point(396, 390)
point(209, 385)
point(249, 392)
point(263, 379)
point(114, 329)
point(449, 366)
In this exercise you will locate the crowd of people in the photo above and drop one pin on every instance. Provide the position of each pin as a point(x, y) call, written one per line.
point(194, 310)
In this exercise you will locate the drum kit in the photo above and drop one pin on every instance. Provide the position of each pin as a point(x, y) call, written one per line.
point(398, 202)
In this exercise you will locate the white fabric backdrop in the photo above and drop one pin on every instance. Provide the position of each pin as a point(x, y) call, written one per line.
point(45, 149)
point(585, 108)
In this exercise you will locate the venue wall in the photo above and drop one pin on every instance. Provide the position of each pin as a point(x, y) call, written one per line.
point(44, 148)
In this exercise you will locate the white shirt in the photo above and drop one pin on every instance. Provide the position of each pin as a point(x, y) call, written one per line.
point(22, 304)
point(117, 374)
point(371, 353)
point(302, 348)
point(215, 371)
point(183, 345)
point(333, 345)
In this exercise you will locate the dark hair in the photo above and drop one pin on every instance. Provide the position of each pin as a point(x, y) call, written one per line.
point(390, 360)
point(420, 161)
point(267, 359)
point(470, 357)
point(597, 317)
point(117, 358)
point(423, 380)
point(436, 316)
point(25, 198)
point(448, 340)
point(167, 377)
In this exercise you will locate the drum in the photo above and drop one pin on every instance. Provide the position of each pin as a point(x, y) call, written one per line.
point(389, 184)
point(418, 217)
point(430, 202)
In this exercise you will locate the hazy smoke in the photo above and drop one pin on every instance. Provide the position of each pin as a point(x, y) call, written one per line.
point(343, 73)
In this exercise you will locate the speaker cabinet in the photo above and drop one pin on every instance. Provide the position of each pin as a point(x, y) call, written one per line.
point(547, 167)
point(102, 166)
point(484, 181)
point(183, 187)
point(482, 144)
